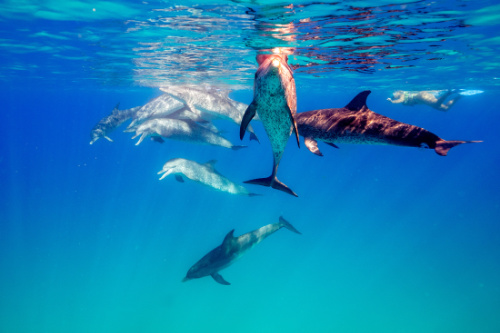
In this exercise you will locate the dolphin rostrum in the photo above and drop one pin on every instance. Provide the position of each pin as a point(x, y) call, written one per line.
point(355, 123)
point(231, 249)
point(184, 130)
point(109, 123)
point(275, 101)
point(202, 173)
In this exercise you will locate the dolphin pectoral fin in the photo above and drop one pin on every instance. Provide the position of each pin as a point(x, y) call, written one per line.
point(294, 124)
point(272, 182)
point(238, 147)
point(442, 146)
point(179, 178)
point(157, 139)
point(108, 138)
point(312, 145)
point(358, 102)
point(218, 278)
point(332, 144)
point(254, 137)
point(247, 116)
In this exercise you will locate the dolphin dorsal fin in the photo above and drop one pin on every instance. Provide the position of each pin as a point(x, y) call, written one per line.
point(358, 102)
point(211, 163)
point(228, 239)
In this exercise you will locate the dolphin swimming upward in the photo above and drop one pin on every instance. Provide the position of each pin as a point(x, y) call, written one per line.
point(275, 101)
point(231, 249)
point(355, 123)
point(202, 173)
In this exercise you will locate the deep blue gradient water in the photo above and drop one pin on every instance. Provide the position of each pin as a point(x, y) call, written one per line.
point(394, 239)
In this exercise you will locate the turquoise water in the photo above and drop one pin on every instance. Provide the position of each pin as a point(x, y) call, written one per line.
point(394, 239)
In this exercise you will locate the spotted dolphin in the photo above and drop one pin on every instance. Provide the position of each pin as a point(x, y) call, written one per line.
point(210, 103)
point(183, 130)
point(231, 249)
point(275, 101)
point(110, 123)
point(205, 174)
point(356, 123)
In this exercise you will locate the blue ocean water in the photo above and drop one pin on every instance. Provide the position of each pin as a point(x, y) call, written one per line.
point(394, 239)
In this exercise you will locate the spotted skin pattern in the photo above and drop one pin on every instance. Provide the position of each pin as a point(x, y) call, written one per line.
point(357, 124)
point(275, 101)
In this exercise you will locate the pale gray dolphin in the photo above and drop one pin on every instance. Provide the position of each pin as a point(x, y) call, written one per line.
point(231, 249)
point(160, 107)
point(275, 101)
point(205, 174)
point(110, 123)
point(211, 102)
point(355, 123)
point(184, 130)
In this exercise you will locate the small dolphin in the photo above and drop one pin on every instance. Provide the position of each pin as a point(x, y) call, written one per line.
point(275, 101)
point(355, 123)
point(184, 130)
point(202, 173)
point(231, 249)
point(109, 123)
point(211, 103)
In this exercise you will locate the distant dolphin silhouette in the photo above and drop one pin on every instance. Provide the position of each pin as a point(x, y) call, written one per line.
point(231, 249)
point(110, 123)
point(355, 123)
point(275, 101)
point(205, 174)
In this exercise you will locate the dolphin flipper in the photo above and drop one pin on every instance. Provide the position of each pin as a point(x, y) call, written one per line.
point(249, 114)
point(294, 123)
point(312, 145)
point(218, 278)
point(179, 178)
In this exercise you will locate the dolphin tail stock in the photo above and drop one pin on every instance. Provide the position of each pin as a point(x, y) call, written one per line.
point(288, 225)
point(237, 147)
point(443, 146)
point(273, 182)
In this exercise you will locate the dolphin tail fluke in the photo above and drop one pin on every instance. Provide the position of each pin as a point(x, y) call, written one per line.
point(238, 147)
point(443, 146)
point(273, 182)
point(288, 225)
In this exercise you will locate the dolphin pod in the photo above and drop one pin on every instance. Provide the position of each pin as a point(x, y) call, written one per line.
point(231, 249)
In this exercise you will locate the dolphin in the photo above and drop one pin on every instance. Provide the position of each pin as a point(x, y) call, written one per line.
point(109, 123)
point(205, 174)
point(211, 103)
point(231, 249)
point(160, 107)
point(356, 123)
point(184, 130)
point(275, 101)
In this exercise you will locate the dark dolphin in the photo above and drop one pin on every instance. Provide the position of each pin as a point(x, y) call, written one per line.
point(355, 123)
point(275, 101)
point(231, 249)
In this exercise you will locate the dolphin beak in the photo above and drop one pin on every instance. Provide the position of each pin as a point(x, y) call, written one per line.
point(167, 172)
